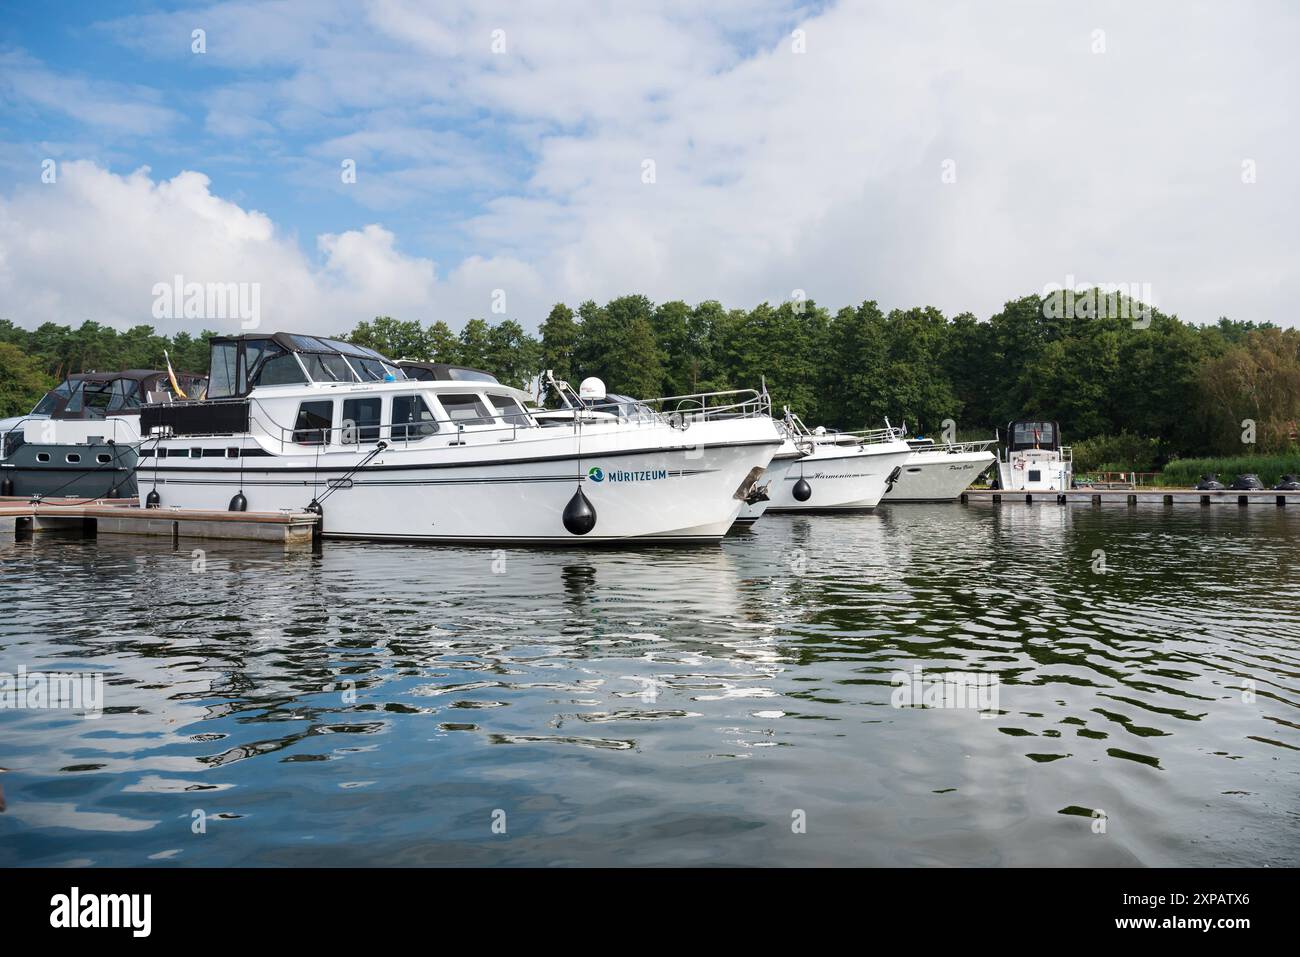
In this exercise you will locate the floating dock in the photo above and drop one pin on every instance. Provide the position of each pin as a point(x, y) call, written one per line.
point(20, 518)
point(1149, 495)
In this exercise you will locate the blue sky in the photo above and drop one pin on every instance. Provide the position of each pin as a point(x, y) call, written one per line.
point(504, 146)
point(272, 170)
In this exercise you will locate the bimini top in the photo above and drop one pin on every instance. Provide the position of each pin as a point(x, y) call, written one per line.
point(240, 364)
point(93, 395)
point(443, 372)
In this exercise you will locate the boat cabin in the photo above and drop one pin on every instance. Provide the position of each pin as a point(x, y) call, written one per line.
point(300, 390)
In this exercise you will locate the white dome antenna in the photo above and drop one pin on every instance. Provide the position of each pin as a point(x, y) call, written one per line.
point(591, 388)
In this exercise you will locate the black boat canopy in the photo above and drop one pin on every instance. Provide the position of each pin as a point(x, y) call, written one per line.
point(93, 395)
point(443, 372)
point(239, 364)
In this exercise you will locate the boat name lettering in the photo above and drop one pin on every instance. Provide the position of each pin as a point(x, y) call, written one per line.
point(597, 474)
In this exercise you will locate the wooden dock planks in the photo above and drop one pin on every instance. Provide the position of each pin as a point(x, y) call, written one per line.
point(123, 518)
point(1148, 495)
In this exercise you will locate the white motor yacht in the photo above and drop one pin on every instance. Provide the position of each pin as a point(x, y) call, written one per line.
point(294, 421)
point(940, 471)
point(1035, 460)
point(836, 471)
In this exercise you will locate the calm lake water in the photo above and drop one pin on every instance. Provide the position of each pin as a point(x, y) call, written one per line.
point(388, 704)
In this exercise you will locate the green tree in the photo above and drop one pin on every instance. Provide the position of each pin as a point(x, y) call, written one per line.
point(443, 346)
point(22, 381)
point(475, 345)
point(394, 338)
point(617, 343)
point(559, 339)
point(512, 355)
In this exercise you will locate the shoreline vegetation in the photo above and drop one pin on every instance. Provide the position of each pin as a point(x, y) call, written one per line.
point(1133, 389)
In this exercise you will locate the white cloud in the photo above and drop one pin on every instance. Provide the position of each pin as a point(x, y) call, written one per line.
point(94, 244)
point(27, 84)
point(775, 170)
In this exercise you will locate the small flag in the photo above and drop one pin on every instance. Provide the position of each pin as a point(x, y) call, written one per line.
point(171, 375)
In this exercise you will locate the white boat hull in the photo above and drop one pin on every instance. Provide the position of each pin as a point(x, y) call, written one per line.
point(510, 491)
point(937, 476)
point(842, 477)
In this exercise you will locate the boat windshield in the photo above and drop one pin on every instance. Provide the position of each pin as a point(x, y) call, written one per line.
point(54, 399)
point(1033, 435)
point(242, 363)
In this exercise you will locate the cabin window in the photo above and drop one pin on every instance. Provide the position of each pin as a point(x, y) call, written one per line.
point(103, 458)
point(360, 420)
point(73, 458)
point(510, 410)
point(371, 370)
point(412, 418)
point(327, 368)
point(1035, 475)
point(313, 423)
point(280, 370)
point(222, 371)
point(1032, 435)
point(125, 396)
point(97, 398)
point(90, 399)
point(253, 353)
point(42, 456)
point(466, 410)
point(74, 398)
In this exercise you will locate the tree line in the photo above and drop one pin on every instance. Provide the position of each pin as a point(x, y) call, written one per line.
point(1128, 392)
